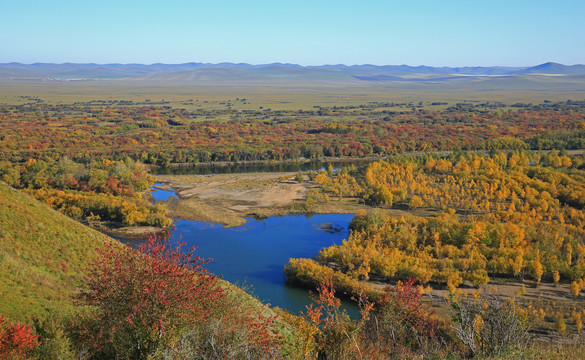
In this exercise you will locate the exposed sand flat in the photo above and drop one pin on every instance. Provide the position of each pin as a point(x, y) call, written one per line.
point(226, 198)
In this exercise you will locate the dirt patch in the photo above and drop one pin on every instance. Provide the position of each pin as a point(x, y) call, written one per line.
point(258, 189)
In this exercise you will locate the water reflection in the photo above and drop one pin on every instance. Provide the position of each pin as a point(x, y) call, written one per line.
point(247, 168)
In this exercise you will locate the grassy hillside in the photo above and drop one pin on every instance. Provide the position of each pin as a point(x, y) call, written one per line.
point(43, 255)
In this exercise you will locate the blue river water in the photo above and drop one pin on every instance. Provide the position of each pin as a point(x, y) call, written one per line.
point(162, 195)
point(253, 255)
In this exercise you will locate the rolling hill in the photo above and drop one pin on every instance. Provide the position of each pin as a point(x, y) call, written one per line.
point(241, 72)
point(551, 68)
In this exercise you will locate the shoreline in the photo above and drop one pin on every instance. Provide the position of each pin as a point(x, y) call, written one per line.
point(327, 159)
point(227, 199)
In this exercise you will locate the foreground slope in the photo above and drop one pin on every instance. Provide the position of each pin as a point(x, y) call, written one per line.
point(43, 255)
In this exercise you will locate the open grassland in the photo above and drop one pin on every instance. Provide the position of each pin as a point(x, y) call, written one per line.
point(295, 96)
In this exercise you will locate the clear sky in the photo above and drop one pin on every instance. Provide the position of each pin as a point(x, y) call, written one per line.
point(316, 32)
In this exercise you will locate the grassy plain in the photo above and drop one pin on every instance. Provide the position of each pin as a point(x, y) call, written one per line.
point(295, 95)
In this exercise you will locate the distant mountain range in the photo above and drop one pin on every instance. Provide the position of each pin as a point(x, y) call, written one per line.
point(225, 72)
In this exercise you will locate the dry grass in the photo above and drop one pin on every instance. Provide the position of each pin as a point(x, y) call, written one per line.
point(291, 96)
point(227, 198)
point(203, 210)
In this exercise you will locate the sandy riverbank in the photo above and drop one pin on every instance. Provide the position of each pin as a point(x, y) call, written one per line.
point(228, 198)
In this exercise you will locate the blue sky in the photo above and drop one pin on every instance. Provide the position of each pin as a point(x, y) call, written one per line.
point(413, 32)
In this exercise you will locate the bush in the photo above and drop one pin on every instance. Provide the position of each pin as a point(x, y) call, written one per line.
point(399, 322)
point(54, 342)
point(338, 335)
point(397, 325)
point(235, 336)
point(16, 340)
point(236, 328)
point(299, 177)
point(144, 300)
point(491, 324)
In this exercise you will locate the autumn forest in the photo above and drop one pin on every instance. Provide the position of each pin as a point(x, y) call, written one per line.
point(464, 213)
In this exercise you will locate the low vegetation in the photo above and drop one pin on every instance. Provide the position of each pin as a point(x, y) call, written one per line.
point(43, 255)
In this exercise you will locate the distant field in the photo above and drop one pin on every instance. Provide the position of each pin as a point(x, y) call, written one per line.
point(291, 95)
